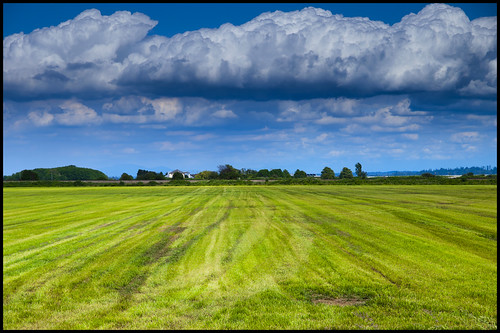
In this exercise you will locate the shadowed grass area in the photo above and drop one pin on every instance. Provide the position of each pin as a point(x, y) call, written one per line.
point(248, 257)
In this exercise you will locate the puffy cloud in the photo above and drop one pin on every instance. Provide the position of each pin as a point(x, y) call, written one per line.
point(77, 56)
point(142, 110)
point(300, 54)
point(311, 52)
point(362, 115)
point(75, 113)
point(166, 108)
point(126, 105)
point(185, 111)
point(41, 118)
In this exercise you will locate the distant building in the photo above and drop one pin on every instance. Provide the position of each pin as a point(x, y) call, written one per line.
point(315, 175)
point(186, 174)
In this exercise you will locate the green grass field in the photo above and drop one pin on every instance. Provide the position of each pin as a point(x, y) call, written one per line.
point(250, 257)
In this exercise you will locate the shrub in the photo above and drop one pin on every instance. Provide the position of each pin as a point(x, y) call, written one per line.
point(126, 176)
point(427, 175)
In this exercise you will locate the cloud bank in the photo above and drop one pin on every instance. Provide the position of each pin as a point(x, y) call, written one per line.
point(310, 53)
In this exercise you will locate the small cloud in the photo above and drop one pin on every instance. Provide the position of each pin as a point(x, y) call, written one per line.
point(485, 120)
point(397, 151)
point(478, 88)
point(411, 136)
point(412, 127)
point(129, 151)
point(321, 137)
point(224, 114)
point(172, 146)
point(166, 145)
point(469, 148)
point(353, 128)
point(75, 113)
point(435, 153)
point(335, 153)
point(202, 137)
point(166, 108)
point(41, 119)
point(118, 118)
point(465, 137)
point(329, 120)
point(299, 128)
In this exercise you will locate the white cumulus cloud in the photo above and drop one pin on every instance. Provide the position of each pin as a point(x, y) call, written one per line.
point(306, 54)
point(77, 56)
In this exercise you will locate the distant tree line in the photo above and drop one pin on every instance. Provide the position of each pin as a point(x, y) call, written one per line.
point(484, 170)
point(228, 172)
point(468, 179)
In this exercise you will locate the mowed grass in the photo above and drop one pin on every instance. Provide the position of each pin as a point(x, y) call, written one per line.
point(250, 257)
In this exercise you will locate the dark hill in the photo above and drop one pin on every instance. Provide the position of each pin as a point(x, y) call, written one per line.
point(69, 172)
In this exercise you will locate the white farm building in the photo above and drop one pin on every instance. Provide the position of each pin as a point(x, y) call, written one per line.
point(186, 174)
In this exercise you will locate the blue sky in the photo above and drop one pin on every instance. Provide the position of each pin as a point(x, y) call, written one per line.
point(117, 87)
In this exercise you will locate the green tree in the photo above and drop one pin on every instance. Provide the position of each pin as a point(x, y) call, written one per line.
point(126, 176)
point(276, 173)
point(160, 176)
point(28, 175)
point(248, 173)
point(263, 173)
point(360, 173)
point(346, 173)
point(207, 175)
point(141, 174)
point(286, 174)
point(299, 174)
point(228, 172)
point(327, 173)
point(149, 175)
point(177, 176)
